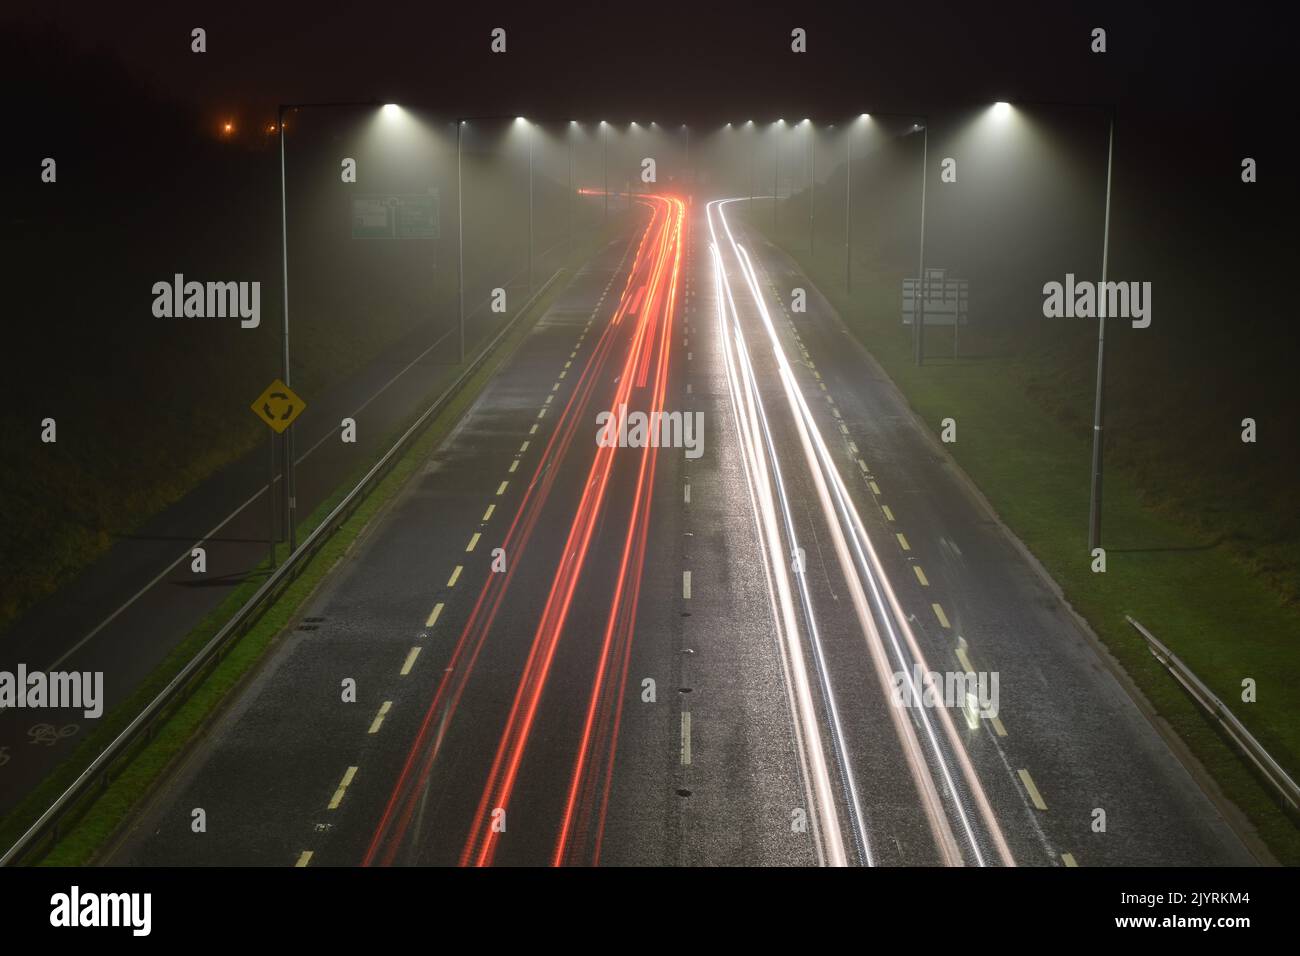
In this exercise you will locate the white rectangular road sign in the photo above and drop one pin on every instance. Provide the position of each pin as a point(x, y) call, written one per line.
point(946, 300)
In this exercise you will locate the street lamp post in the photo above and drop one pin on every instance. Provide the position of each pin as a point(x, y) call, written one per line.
point(1098, 414)
point(776, 176)
point(812, 188)
point(286, 450)
point(752, 150)
point(290, 478)
point(571, 188)
point(918, 318)
point(460, 242)
point(848, 208)
point(530, 206)
point(604, 143)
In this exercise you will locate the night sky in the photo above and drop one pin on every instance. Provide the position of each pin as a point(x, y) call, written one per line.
point(697, 63)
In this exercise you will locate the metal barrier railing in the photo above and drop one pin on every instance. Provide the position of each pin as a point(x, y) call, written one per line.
point(99, 773)
point(1242, 737)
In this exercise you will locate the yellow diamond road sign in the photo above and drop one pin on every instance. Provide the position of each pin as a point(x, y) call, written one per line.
point(278, 406)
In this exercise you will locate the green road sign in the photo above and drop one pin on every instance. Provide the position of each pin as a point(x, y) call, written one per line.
point(413, 216)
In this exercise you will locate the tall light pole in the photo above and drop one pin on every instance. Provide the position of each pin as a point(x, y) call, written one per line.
point(604, 142)
point(752, 150)
point(530, 201)
point(776, 170)
point(918, 317)
point(848, 208)
point(286, 450)
point(460, 242)
point(1099, 403)
point(572, 124)
point(1098, 413)
point(812, 187)
point(290, 478)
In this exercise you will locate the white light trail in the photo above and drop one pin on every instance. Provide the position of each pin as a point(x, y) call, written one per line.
point(841, 516)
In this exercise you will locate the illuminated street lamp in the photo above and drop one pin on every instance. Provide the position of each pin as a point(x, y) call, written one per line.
point(290, 479)
point(752, 150)
point(848, 203)
point(604, 143)
point(1002, 110)
point(812, 183)
point(776, 170)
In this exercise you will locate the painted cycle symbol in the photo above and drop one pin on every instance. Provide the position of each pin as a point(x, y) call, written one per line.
point(50, 735)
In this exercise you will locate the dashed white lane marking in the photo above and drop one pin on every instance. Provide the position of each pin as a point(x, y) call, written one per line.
point(533, 430)
point(920, 576)
point(513, 465)
point(686, 585)
point(501, 489)
point(379, 717)
point(902, 542)
point(688, 494)
point(347, 779)
point(686, 737)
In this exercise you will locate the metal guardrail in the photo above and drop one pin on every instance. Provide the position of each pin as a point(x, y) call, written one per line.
point(99, 773)
point(1242, 737)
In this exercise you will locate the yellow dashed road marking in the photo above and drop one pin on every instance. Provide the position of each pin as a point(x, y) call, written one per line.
point(433, 615)
point(455, 576)
point(379, 717)
point(889, 515)
point(411, 655)
point(943, 618)
point(902, 541)
point(1034, 795)
point(920, 576)
point(304, 858)
point(501, 490)
point(1068, 859)
point(473, 542)
point(338, 794)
